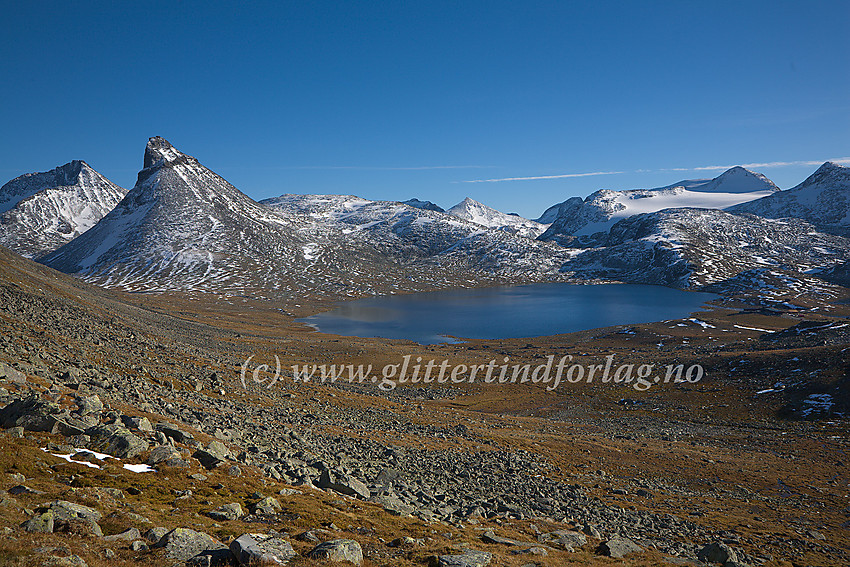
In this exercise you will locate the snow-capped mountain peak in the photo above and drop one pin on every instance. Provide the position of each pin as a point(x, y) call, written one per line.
point(600, 210)
point(159, 151)
point(471, 210)
point(737, 180)
point(426, 205)
point(823, 199)
point(39, 212)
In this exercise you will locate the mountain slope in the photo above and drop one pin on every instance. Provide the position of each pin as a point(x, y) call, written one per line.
point(822, 199)
point(479, 213)
point(425, 240)
point(602, 209)
point(40, 212)
point(184, 228)
point(181, 227)
point(714, 250)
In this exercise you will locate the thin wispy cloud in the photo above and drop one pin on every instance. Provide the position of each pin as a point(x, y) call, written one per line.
point(387, 168)
point(560, 176)
point(763, 165)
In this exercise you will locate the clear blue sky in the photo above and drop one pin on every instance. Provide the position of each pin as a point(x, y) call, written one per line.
point(392, 100)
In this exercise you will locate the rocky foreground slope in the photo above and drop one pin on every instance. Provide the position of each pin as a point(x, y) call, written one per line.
point(304, 472)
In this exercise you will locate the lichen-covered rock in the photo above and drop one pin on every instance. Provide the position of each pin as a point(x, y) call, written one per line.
point(338, 550)
point(262, 549)
point(225, 512)
point(116, 440)
point(182, 544)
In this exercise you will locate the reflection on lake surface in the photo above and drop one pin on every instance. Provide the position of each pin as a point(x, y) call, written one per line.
point(506, 312)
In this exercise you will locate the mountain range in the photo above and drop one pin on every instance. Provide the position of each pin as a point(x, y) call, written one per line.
point(184, 228)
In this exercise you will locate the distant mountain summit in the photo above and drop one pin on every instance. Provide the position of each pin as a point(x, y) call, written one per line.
point(602, 209)
point(39, 212)
point(472, 210)
point(823, 199)
point(180, 227)
point(427, 205)
point(735, 180)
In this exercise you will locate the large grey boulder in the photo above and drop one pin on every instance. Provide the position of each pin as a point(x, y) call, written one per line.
point(65, 510)
point(344, 484)
point(262, 549)
point(489, 536)
point(116, 440)
point(155, 535)
point(619, 547)
point(226, 512)
point(40, 523)
point(74, 518)
point(182, 544)
point(566, 539)
point(127, 535)
point(469, 558)
point(338, 550)
point(162, 453)
point(173, 432)
point(214, 455)
point(11, 375)
point(89, 404)
point(267, 506)
point(717, 553)
point(393, 505)
point(31, 413)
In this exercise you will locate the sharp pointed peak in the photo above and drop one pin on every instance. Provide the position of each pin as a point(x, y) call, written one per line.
point(832, 166)
point(160, 151)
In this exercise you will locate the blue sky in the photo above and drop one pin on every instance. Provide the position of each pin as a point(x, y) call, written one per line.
point(393, 100)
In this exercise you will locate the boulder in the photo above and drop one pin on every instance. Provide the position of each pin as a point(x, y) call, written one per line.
point(212, 558)
point(161, 454)
point(232, 511)
point(40, 523)
point(65, 510)
point(267, 506)
point(717, 553)
point(489, 536)
point(116, 440)
point(69, 426)
point(566, 539)
point(209, 460)
point(154, 535)
point(182, 544)
point(619, 547)
point(338, 550)
point(175, 433)
point(262, 549)
point(140, 423)
point(127, 535)
point(31, 413)
point(89, 404)
point(393, 505)
point(469, 558)
point(74, 518)
point(344, 484)
point(11, 375)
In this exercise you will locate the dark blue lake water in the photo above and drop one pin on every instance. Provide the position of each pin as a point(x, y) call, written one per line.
point(506, 312)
